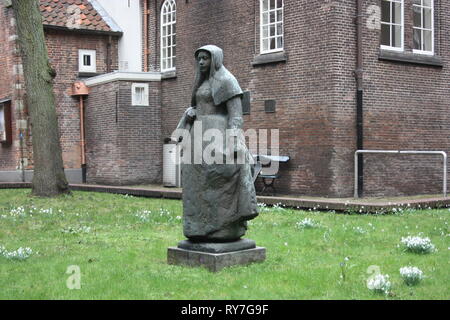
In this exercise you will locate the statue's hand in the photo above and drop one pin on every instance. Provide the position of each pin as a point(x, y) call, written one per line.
point(191, 113)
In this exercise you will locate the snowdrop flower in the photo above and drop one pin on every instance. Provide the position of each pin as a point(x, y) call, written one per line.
point(411, 275)
point(143, 216)
point(307, 223)
point(379, 283)
point(76, 230)
point(418, 244)
point(19, 254)
point(359, 230)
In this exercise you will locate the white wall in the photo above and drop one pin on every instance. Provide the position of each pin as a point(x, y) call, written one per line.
point(127, 15)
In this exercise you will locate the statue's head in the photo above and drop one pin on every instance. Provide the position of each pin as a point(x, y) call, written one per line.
point(204, 61)
point(209, 66)
point(209, 58)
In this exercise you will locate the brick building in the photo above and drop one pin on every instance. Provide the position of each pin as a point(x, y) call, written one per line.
point(67, 40)
point(297, 61)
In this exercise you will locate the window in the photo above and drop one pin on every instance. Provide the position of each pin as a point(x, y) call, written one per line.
point(5, 122)
point(423, 35)
point(139, 94)
point(392, 24)
point(168, 35)
point(87, 61)
point(271, 31)
point(2, 123)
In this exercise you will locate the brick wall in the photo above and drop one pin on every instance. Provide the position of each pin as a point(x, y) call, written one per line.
point(302, 86)
point(406, 106)
point(124, 144)
point(11, 87)
point(63, 54)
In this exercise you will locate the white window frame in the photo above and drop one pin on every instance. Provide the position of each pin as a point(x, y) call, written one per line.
point(262, 25)
point(2, 123)
point(169, 7)
point(81, 67)
point(422, 6)
point(391, 24)
point(135, 101)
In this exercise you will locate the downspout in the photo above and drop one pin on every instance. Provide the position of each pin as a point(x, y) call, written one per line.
point(82, 142)
point(359, 72)
point(21, 155)
point(108, 55)
point(146, 51)
point(80, 90)
point(155, 35)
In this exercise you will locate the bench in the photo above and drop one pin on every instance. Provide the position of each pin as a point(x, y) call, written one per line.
point(261, 169)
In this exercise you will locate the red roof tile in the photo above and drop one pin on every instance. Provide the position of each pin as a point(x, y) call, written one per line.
point(72, 14)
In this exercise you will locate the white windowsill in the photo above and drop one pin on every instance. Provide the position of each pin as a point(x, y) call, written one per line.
point(271, 51)
point(427, 53)
point(396, 49)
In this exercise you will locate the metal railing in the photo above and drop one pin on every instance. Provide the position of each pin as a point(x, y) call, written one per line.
point(441, 153)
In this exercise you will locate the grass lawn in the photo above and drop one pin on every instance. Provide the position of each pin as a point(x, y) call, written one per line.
point(121, 251)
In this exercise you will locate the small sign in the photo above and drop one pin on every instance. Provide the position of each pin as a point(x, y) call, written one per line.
point(270, 106)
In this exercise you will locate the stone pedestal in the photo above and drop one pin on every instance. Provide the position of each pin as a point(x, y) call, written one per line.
point(215, 256)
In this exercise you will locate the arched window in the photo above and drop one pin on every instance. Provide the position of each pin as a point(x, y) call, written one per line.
point(168, 35)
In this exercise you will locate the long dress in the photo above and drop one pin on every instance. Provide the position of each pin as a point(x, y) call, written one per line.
point(218, 199)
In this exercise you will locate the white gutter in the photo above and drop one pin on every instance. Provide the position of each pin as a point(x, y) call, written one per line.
point(123, 76)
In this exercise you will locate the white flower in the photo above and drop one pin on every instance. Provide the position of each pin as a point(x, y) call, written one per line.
point(359, 230)
point(307, 223)
point(411, 275)
point(76, 230)
point(19, 254)
point(278, 207)
point(143, 216)
point(379, 283)
point(18, 212)
point(418, 244)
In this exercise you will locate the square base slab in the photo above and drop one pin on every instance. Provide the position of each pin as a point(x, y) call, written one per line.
point(214, 261)
point(217, 247)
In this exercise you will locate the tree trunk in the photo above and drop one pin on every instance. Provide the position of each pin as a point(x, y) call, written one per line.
point(49, 178)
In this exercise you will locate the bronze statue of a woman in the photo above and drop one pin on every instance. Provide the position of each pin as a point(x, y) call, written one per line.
point(218, 198)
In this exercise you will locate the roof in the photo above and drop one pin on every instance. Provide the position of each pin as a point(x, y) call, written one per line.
point(77, 15)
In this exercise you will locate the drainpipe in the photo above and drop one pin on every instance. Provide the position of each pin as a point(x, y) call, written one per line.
point(21, 155)
point(146, 51)
point(359, 72)
point(109, 55)
point(82, 142)
point(79, 89)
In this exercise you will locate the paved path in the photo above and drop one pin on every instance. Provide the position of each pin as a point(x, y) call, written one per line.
point(364, 205)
